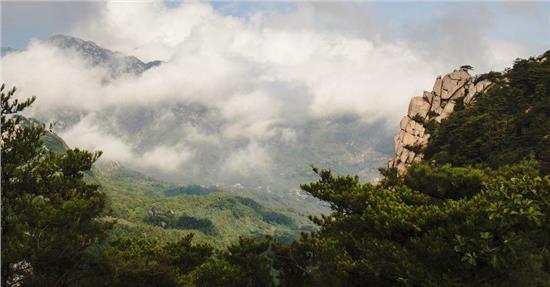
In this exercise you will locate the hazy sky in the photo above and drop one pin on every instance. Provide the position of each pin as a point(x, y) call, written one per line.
point(265, 69)
point(520, 22)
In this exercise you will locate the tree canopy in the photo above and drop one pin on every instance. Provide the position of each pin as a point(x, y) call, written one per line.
point(50, 215)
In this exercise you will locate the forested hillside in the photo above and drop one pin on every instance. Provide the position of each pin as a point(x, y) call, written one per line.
point(474, 212)
point(157, 210)
point(144, 206)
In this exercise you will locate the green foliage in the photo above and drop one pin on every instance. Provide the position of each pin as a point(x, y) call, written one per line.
point(136, 261)
point(190, 190)
point(474, 213)
point(416, 148)
point(245, 264)
point(170, 220)
point(491, 76)
point(493, 232)
point(51, 141)
point(49, 213)
point(418, 118)
point(445, 182)
point(390, 177)
point(218, 272)
point(219, 218)
point(431, 125)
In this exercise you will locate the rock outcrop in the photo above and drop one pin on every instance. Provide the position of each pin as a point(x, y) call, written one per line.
point(435, 105)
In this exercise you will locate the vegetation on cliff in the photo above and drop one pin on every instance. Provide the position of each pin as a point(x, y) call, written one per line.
point(509, 123)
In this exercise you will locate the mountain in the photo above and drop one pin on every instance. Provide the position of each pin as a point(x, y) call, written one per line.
point(116, 62)
point(148, 207)
point(345, 144)
point(51, 140)
point(152, 201)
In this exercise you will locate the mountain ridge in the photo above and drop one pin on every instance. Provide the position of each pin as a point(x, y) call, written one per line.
point(118, 63)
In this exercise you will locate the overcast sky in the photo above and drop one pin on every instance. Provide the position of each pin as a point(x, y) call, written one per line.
point(520, 22)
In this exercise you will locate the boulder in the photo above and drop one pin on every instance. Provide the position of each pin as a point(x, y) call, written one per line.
point(401, 168)
point(437, 86)
point(470, 87)
point(410, 127)
point(482, 85)
point(404, 155)
point(436, 105)
point(398, 148)
point(458, 93)
point(470, 90)
point(415, 128)
point(397, 139)
point(418, 106)
point(424, 139)
point(428, 96)
point(391, 164)
point(460, 75)
point(404, 121)
point(411, 157)
point(450, 86)
point(449, 108)
point(469, 97)
point(408, 139)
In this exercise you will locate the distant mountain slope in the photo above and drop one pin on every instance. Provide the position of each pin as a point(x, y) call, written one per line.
point(118, 63)
point(145, 206)
point(268, 169)
point(51, 140)
point(347, 145)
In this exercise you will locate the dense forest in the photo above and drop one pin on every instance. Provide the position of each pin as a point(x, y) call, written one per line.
point(474, 212)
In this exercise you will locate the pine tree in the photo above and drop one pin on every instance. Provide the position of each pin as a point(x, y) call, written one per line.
point(50, 214)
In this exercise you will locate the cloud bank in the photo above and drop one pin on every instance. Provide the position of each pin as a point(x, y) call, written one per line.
point(232, 88)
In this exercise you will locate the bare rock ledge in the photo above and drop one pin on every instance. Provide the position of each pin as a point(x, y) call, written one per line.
point(437, 105)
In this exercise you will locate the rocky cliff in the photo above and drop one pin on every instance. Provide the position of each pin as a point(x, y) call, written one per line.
point(435, 105)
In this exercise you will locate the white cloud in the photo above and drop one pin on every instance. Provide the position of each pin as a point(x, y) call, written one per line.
point(261, 78)
point(229, 63)
point(58, 78)
point(251, 159)
point(90, 136)
point(87, 135)
point(165, 159)
point(194, 135)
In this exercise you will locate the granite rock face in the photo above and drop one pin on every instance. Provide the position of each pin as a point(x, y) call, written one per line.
point(435, 105)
